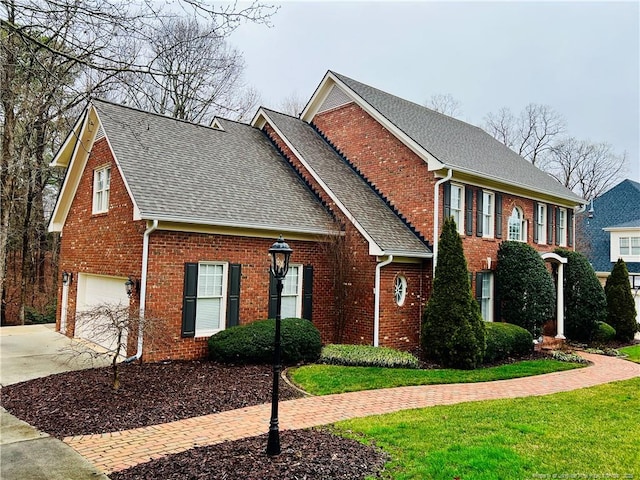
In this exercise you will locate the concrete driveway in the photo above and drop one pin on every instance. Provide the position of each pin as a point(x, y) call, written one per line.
point(28, 352)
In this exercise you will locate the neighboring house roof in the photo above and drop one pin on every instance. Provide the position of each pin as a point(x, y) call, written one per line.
point(619, 207)
point(182, 172)
point(455, 144)
point(631, 224)
point(357, 199)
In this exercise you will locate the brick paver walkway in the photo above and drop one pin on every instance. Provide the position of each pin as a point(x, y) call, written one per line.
point(119, 450)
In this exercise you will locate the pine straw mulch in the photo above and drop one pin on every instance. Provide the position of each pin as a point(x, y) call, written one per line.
point(83, 402)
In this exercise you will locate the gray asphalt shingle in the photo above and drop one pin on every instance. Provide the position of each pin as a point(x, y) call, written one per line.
point(457, 144)
point(193, 173)
point(387, 230)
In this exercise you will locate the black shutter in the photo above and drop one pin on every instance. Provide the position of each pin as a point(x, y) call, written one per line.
point(307, 290)
point(479, 212)
point(273, 296)
point(498, 215)
point(233, 295)
point(468, 206)
point(446, 188)
point(190, 295)
point(570, 227)
point(479, 287)
point(535, 222)
point(550, 224)
point(557, 226)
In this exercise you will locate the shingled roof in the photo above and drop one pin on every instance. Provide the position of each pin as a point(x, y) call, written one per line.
point(456, 144)
point(389, 232)
point(179, 171)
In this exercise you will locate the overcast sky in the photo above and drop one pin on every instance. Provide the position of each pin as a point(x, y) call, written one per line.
point(581, 58)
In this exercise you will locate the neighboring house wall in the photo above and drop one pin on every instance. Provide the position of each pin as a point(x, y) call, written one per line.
point(108, 244)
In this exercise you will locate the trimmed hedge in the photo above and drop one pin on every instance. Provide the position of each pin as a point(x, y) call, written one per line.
point(253, 342)
point(367, 356)
point(604, 333)
point(621, 309)
point(506, 340)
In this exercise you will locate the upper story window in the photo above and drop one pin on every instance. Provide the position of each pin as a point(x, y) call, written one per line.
point(457, 206)
point(101, 183)
point(488, 219)
point(292, 293)
point(211, 300)
point(517, 226)
point(400, 290)
point(630, 246)
point(541, 223)
point(562, 227)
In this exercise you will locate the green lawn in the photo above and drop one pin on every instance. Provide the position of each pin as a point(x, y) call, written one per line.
point(327, 379)
point(633, 353)
point(587, 433)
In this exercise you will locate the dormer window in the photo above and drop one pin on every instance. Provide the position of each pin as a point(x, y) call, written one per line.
point(101, 183)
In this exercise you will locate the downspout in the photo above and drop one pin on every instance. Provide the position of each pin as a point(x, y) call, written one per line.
point(376, 294)
point(436, 216)
point(143, 289)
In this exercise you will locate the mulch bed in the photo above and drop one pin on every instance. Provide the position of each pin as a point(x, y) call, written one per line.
point(83, 402)
point(306, 455)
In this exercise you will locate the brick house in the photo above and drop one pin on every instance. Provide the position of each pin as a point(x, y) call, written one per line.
point(189, 212)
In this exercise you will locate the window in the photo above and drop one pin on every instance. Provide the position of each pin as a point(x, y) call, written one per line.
point(457, 206)
point(487, 214)
point(101, 182)
point(292, 293)
point(541, 223)
point(562, 227)
point(400, 290)
point(517, 226)
point(630, 246)
point(485, 300)
point(211, 302)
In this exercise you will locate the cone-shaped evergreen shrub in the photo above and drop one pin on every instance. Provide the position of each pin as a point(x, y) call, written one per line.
point(621, 310)
point(452, 330)
point(584, 300)
point(524, 286)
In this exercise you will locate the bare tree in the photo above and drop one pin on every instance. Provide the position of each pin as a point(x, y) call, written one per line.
point(293, 104)
point(531, 134)
point(589, 169)
point(445, 104)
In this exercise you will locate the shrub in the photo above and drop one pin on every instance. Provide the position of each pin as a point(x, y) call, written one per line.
point(33, 316)
point(584, 299)
point(604, 333)
point(621, 310)
point(452, 327)
point(524, 287)
point(567, 357)
point(506, 340)
point(367, 356)
point(253, 342)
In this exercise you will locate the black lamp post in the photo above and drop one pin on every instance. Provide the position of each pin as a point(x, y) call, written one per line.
point(280, 254)
point(128, 285)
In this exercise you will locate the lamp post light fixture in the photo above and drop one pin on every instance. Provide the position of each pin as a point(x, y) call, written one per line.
point(67, 278)
point(128, 285)
point(280, 254)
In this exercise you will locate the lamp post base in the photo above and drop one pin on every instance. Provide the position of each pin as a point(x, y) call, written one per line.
point(273, 442)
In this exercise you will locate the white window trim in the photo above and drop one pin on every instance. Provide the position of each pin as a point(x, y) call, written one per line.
point(541, 225)
point(523, 226)
point(489, 298)
point(400, 290)
point(199, 332)
point(488, 232)
point(460, 223)
point(562, 228)
point(615, 251)
point(101, 206)
point(298, 294)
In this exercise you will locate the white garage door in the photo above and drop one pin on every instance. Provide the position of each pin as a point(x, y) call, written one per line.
point(93, 291)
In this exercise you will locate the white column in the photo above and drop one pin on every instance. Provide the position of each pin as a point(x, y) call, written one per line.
point(560, 303)
point(63, 309)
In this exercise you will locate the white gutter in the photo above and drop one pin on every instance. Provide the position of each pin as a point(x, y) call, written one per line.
point(376, 294)
point(143, 289)
point(436, 216)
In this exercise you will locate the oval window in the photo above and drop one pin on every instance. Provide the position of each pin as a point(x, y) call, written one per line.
point(400, 290)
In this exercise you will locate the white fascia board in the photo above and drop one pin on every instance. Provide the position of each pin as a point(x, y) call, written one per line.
point(622, 229)
point(68, 148)
point(136, 210)
point(403, 253)
point(374, 248)
point(321, 94)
